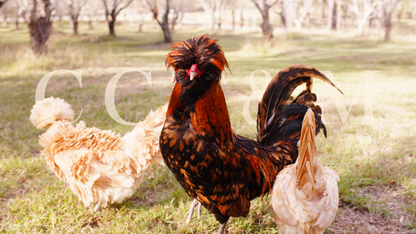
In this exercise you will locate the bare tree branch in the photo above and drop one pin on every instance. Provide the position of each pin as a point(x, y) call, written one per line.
point(257, 4)
point(111, 14)
point(3, 2)
point(124, 7)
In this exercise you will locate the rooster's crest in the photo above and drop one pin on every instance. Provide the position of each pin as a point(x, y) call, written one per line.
point(203, 51)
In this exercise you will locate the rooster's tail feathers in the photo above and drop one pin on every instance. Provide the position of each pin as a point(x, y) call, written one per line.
point(50, 110)
point(274, 114)
point(305, 171)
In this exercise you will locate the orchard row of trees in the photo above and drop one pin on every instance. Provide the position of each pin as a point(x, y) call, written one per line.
point(338, 14)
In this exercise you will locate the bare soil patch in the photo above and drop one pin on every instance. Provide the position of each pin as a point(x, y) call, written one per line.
point(384, 213)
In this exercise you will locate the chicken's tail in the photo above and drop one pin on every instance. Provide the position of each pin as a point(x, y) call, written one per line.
point(276, 118)
point(142, 144)
point(50, 110)
point(305, 168)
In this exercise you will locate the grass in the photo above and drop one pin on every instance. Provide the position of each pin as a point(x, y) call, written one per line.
point(376, 162)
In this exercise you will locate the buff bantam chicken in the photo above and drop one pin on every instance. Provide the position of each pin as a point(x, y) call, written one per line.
point(99, 166)
point(305, 194)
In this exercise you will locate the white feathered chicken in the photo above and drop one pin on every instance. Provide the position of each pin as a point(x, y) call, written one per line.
point(99, 166)
point(305, 194)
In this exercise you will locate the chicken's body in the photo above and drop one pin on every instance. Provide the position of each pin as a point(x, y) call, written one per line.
point(216, 166)
point(305, 194)
point(99, 166)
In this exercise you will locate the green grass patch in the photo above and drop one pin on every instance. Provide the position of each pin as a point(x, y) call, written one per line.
point(382, 153)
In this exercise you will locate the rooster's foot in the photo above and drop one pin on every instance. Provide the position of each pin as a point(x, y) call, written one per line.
point(191, 211)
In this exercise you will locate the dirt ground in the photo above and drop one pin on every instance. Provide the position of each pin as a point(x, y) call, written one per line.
point(386, 213)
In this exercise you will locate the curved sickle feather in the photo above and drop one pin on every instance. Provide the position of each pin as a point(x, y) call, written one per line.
point(282, 86)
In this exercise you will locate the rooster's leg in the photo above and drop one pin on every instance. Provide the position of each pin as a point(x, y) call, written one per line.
point(97, 207)
point(199, 210)
point(221, 229)
point(191, 211)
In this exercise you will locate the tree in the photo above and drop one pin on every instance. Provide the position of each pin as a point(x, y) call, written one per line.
point(2, 2)
point(37, 15)
point(10, 8)
point(179, 7)
point(164, 21)
point(285, 15)
point(300, 9)
point(92, 10)
point(339, 15)
point(74, 8)
point(4, 12)
point(362, 10)
point(411, 6)
point(387, 7)
point(266, 27)
point(59, 9)
point(112, 12)
point(215, 9)
point(331, 23)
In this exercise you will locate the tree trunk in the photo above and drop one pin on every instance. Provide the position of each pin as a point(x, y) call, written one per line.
point(339, 15)
point(40, 28)
point(166, 32)
point(213, 21)
point(345, 17)
point(90, 22)
point(180, 20)
point(388, 7)
point(331, 14)
point(410, 8)
point(165, 23)
point(219, 22)
point(5, 24)
point(283, 16)
point(16, 23)
point(173, 23)
point(399, 15)
point(233, 19)
point(2, 2)
point(74, 23)
point(140, 25)
point(241, 18)
point(111, 28)
point(387, 30)
point(75, 26)
point(334, 18)
point(267, 28)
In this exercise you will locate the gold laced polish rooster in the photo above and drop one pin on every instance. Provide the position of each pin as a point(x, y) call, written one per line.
point(99, 166)
point(219, 168)
point(305, 194)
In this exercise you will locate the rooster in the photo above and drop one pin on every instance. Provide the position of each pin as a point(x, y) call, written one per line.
point(99, 166)
point(219, 168)
point(305, 194)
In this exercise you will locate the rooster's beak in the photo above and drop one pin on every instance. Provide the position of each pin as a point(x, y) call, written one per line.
point(192, 74)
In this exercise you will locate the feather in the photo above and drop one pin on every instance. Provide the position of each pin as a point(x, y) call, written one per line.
point(99, 166)
point(305, 194)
